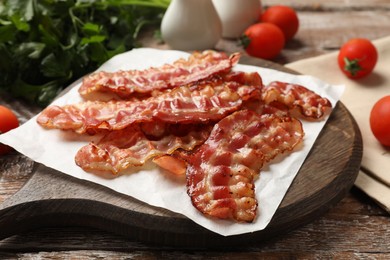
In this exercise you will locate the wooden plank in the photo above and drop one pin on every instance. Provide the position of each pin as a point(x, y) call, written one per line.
point(339, 232)
point(174, 255)
point(15, 170)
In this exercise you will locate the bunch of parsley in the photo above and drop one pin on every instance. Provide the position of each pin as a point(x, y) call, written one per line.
point(46, 44)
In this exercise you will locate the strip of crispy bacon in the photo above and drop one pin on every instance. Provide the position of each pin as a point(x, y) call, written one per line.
point(293, 96)
point(199, 66)
point(121, 149)
point(200, 103)
point(221, 173)
point(258, 106)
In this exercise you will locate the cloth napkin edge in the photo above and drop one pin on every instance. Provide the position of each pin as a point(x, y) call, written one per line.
point(375, 189)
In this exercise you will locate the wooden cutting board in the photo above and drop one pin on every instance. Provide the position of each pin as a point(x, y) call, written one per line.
point(51, 198)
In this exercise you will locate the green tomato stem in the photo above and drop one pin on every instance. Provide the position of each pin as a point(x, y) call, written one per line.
point(352, 66)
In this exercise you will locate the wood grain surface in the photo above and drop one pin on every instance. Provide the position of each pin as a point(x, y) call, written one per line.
point(356, 228)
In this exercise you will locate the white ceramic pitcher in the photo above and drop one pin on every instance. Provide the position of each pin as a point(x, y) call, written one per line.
point(237, 15)
point(191, 25)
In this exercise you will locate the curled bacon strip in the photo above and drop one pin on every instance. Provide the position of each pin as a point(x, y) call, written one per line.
point(200, 103)
point(221, 173)
point(121, 149)
point(199, 66)
point(294, 96)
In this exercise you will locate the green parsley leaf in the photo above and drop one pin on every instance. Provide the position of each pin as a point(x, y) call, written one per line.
point(47, 44)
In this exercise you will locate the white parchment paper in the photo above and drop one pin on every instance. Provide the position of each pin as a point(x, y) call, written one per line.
point(56, 149)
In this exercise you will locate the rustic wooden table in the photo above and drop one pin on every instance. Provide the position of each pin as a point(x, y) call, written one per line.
point(355, 228)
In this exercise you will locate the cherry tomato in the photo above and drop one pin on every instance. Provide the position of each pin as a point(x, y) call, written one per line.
point(380, 120)
point(284, 17)
point(263, 40)
point(357, 58)
point(8, 121)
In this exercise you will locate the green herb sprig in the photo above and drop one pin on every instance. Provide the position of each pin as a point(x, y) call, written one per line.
point(46, 44)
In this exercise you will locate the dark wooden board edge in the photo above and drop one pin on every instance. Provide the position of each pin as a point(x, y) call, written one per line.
point(25, 211)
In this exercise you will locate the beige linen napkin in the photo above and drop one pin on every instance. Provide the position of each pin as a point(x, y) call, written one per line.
point(359, 97)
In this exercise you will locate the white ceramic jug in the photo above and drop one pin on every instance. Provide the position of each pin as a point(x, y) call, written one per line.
point(191, 25)
point(237, 15)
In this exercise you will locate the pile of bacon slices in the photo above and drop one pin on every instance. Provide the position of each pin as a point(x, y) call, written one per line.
point(195, 117)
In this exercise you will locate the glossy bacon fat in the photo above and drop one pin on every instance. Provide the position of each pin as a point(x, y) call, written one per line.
point(221, 173)
point(294, 96)
point(128, 147)
point(200, 103)
point(199, 66)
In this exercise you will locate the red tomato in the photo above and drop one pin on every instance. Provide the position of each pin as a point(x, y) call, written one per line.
point(380, 120)
point(263, 40)
point(357, 58)
point(284, 17)
point(8, 121)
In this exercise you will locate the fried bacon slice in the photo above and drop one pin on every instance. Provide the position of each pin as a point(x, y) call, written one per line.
point(309, 104)
point(199, 103)
point(199, 66)
point(274, 108)
point(220, 174)
point(121, 149)
point(171, 164)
